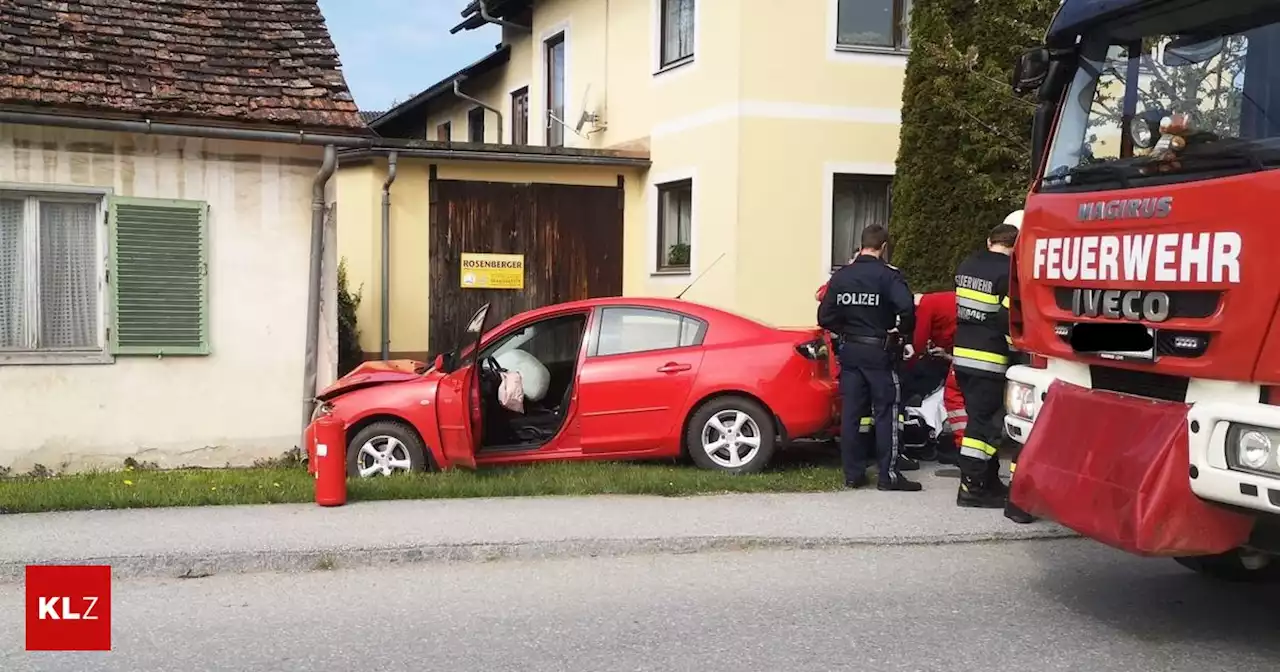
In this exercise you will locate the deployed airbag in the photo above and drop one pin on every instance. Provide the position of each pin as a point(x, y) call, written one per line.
point(534, 375)
point(1114, 468)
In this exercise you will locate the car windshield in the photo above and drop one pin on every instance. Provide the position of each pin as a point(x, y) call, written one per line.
point(1162, 65)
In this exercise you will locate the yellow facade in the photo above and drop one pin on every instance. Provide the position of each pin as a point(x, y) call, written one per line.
point(761, 118)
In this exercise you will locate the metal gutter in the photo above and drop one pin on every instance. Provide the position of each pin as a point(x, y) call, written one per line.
point(507, 157)
point(314, 284)
point(148, 127)
point(457, 91)
point(386, 256)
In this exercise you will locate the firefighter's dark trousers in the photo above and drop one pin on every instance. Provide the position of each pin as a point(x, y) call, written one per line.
point(984, 404)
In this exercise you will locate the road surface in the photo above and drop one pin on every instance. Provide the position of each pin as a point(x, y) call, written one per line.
point(1036, 605)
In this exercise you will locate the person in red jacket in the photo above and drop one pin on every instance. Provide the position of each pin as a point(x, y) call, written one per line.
point(935, 334)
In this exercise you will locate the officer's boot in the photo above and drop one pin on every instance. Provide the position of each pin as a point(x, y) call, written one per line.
point(907, 464)
point(993, 483)
point(975, 494)
point(898, 483)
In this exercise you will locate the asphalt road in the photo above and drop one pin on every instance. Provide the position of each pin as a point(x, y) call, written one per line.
point(1009, 606)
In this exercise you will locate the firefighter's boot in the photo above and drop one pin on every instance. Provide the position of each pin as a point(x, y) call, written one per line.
point(1017, 515)
point(975, 494)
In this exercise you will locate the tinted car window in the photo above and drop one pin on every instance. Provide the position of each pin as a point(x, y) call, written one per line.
point(625, 330)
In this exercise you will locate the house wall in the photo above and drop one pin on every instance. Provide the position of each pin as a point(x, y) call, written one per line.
point(765, 114)
point(359, 242)
point(242, 401)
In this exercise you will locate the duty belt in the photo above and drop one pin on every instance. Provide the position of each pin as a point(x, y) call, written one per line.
point(865, 340)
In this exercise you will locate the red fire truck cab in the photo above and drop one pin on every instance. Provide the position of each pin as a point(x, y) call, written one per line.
point(1147, 270)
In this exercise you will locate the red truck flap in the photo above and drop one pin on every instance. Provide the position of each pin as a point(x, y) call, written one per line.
point(1114, 468)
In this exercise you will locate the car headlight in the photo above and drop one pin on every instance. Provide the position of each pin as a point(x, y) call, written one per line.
point(324, 408)
point(1253, 449)
point(1020, 400)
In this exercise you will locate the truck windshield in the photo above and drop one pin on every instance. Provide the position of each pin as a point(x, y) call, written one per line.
point(1225, 79)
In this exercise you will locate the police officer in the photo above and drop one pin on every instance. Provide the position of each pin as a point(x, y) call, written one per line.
point(980, 358)
point(869, 305)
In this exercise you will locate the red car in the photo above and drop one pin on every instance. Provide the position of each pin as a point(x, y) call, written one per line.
point(615, 378)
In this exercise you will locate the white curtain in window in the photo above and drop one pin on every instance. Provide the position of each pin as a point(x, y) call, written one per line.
point(12, 286)
point(677, 223)
point(68, 275)
point(906, 24)
point(856, 205)
point(678, 30)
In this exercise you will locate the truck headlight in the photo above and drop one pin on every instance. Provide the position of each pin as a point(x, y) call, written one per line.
point(1020, 400)
point(1253, 449)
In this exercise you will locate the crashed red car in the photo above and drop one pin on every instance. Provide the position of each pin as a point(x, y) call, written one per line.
point(609, 378)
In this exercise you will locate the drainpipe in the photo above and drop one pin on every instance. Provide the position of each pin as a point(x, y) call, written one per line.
point(457, 91)
point(386, 256)
point(314, 283)
point(484, 14)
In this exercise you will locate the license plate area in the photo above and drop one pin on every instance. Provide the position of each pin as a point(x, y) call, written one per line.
point(1115, 342)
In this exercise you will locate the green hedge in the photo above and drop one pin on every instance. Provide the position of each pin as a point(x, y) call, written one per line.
point(965, 143)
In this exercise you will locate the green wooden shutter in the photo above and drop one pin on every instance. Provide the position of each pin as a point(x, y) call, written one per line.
point(159, 276)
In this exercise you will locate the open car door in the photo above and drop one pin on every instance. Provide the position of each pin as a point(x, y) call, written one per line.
point(458, 402)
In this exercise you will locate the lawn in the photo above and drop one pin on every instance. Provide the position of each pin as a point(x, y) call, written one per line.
point(141, 488)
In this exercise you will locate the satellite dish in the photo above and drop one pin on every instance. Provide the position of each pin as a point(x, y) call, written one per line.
point(585, 116)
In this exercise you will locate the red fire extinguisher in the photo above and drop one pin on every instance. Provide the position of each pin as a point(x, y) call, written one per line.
point(331, 461)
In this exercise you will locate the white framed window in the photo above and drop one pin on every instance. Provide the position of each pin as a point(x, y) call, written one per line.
point(857, 201)
point(52, 276)
point(675, 226)
point(873, 25)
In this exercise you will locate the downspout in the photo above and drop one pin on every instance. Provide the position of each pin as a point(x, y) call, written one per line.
point(386, 256)
point(484, 14)
point(314, 283)
point(457, 91)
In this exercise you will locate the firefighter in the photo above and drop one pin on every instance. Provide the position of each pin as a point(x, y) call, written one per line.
point(980, 358)
point(868, 303)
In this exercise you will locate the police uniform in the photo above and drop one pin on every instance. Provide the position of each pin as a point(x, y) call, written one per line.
point(980, 357)
point(864, 301)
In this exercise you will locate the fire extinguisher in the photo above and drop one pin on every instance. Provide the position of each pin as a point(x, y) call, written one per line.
point(331, 461)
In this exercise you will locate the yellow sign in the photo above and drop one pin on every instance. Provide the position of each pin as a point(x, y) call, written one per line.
point(492, 271)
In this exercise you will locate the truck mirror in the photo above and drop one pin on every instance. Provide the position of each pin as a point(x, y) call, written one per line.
point(1030, 70)
point(1190, 50)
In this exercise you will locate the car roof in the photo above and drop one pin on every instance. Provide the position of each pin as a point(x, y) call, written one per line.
point(659, 303)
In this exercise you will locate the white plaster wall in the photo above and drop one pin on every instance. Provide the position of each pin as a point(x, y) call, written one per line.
point(242, 402)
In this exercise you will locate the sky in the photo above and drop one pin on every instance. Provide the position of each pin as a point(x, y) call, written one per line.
point(393, 49)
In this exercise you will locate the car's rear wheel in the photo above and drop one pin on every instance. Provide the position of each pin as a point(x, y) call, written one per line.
point(384, 448)
point(731, 434)
point(1236, 566)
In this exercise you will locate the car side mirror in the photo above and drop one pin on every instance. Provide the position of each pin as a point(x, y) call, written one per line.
point(438, 364)
point(1030, 70)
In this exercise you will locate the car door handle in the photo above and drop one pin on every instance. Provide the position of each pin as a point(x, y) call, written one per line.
point(672, 367)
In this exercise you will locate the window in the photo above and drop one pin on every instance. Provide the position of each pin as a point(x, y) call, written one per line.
point(879, 24)
point(50, 268)
point(53, 271)
point(676, 32)
point(627, 330)
point(675, 224)
point(555, 91)
point(520, 117)
point(475, 124)
point(444, 132)
point(551, 341)
point(857, 201)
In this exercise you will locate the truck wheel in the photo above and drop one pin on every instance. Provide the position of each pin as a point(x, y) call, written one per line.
point(1235, 566)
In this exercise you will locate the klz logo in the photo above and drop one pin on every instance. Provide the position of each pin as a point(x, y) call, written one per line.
point(68, 608)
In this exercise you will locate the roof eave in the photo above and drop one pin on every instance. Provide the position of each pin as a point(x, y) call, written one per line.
point(498, 57)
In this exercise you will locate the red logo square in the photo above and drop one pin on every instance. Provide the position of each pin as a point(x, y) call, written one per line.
point(68, 607)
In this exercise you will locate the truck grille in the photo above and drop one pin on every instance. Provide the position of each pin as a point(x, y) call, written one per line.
point(1140, 383)
point(1186, 304)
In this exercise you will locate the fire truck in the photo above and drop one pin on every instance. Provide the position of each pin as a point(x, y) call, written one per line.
point(1145, 288)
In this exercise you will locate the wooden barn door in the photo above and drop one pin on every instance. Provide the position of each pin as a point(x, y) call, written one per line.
point(570, 236)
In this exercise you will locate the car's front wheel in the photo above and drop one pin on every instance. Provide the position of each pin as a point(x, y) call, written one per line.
point(384, 448)
point(1236, 566)
point(731, 434)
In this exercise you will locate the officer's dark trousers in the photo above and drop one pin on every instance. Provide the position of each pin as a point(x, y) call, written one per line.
point(984, 404)
point(868, 382)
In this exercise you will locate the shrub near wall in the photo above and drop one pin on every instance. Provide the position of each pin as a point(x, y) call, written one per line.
point(965, 145)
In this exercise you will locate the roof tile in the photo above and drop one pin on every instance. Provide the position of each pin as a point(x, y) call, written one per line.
point(246, 61)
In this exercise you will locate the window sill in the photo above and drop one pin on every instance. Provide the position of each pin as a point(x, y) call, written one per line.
point(53, 357)
point(672, 272)
point(868, 49)
point(674, 65)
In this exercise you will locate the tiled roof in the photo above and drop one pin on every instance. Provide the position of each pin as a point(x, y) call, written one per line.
point(243, 61)
point(370, 115)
